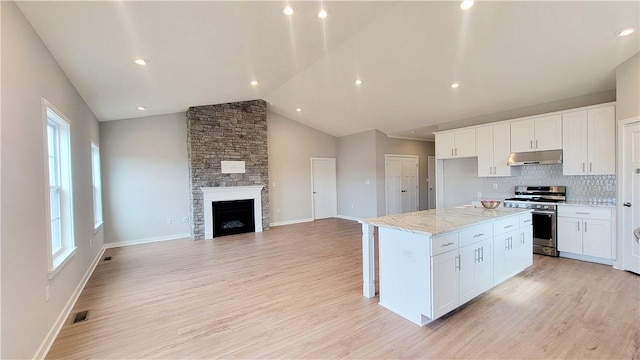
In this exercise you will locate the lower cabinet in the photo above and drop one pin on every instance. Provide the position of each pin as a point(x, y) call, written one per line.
point(461, 274)
point(512, 249)
point(585, 231)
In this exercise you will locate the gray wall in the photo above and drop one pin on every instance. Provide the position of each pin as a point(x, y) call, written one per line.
point(29, 73)
point(356, 166)
point(145, 178)
point(291, 146)
point(461, 183)
point(392, 146)
point(628, 88)
point(571, 103)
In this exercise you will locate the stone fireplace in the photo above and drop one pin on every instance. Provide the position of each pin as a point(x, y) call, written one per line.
point(227, 150)
point(231, 198)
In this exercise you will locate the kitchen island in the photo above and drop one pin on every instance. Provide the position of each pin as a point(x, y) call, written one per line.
point(433, 261)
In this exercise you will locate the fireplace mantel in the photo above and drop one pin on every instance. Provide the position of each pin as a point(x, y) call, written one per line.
point(226, 193)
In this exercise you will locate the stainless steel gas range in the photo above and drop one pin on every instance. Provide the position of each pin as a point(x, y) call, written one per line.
point(543, 200)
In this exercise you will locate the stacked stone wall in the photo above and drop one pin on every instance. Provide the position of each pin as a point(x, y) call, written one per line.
point(226, 132)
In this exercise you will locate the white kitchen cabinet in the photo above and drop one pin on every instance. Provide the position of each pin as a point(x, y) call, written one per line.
point(493, 144)
point(588, 142)
point(456, 144)
point(461, 274)
point(586, 231)
point(512, 247)
point(537, 134)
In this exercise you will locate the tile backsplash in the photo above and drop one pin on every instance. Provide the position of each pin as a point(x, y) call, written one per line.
point(582, 188)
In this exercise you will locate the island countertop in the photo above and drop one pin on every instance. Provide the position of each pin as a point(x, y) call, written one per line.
point(441, 221)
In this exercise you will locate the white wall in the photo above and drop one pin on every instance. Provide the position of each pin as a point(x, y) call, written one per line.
point(387, 145)
point(145, 178)
point(291, 146)
point(29, 73)
point(461, 183)
point(628, 88)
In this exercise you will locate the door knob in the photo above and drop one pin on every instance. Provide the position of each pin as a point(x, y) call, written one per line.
point(627, 204)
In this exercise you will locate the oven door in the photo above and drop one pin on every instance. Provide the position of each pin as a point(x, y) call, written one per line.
point(544, 228)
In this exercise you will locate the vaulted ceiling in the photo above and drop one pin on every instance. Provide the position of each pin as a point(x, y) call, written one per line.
point(504, 55)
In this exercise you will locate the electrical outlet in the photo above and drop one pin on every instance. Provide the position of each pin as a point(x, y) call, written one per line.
point(495, 186)
point(169, 221)
point(479, 194)
point(367, 182)
point(47, 293)
point(185, 219)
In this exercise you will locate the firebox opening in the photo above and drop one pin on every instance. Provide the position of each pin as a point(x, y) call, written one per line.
point(233, 217)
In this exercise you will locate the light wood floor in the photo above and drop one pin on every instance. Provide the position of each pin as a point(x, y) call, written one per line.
point(295, 292)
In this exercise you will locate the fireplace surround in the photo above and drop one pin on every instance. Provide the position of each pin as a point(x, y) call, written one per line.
point(229, 193)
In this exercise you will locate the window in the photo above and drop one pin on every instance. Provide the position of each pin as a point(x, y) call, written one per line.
point(61, 242)
point(97, 186)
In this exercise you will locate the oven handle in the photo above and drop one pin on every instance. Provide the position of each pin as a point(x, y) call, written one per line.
point(544, 212)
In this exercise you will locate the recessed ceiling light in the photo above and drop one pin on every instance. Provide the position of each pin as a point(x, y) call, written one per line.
point(625, 31)
point(466, 4)
point(298, 109)
point(288, 10)
point(141, 61)
point(413, 132)
point(322, 14)
point(358, 82)
point(455, 85)
point(254, 83)
point(142, 108)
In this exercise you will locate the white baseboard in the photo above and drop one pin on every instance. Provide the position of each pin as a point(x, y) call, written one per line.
point(44, 348)
point(291, 222)
point(352, 218)
point(586, 258)
point(147, 240)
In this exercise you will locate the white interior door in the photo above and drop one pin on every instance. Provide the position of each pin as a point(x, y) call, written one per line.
point(630, 195)
point(401, 183)
point(431, 181)
point(323, 188)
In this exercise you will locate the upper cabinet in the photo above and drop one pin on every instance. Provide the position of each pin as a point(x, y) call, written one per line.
point(537, 134)
point(588, 142)
point(456, 144)
point(493, 143)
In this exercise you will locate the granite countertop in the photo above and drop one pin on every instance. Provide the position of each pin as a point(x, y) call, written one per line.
point(588, 203)
point(440, 221)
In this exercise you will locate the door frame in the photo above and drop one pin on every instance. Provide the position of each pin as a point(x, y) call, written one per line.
point(313, 206)
point(431, 182)
point(386, 194)
point(621, 257)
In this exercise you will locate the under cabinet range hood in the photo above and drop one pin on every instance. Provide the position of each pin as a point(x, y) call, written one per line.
point(548, 157)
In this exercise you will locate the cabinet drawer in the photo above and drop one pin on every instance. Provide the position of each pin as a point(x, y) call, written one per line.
point(509, 224)
point(475, 234)
point(585, 212)
point(444, 243)
point(525, 220)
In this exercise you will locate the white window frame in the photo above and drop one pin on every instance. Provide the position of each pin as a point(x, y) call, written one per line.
point(97, 186)
point(62, 184)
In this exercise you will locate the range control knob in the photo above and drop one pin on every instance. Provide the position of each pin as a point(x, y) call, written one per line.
point(538, 206)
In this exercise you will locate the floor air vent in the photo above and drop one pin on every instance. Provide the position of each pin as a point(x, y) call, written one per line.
point(80, 317)
point(107, 258)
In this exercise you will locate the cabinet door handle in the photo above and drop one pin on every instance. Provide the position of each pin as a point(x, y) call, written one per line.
point(482, 253)
point(452, 152)
point(447, 244)
point(478, 235)
point(583, 167)
point(456, 151)
point(508, 226)
point(494, 170)
point(476, 255)
point(530, 144)
point(578, 226)
point(490, 170)
point(458, 265)
point(585, 226)
point(506, 244)
point(522, 241)
point(536, 144)
point(582, 213)
point(590, 166)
